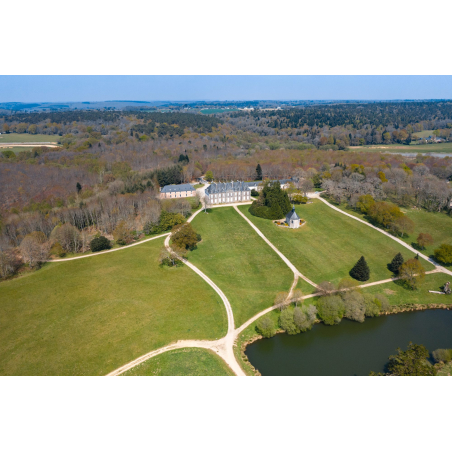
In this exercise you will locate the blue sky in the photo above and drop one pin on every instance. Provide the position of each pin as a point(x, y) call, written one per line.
point(29, 88)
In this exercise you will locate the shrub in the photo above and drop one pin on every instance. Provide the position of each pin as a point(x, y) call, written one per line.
point(254, 192)
point(365, 202)
point(372, 306)
point(441, 354)
point(361, 270)
point(411, 362)
point(299, 199)
point(266, 327)
point(280, 300)
point(166, 221)
point(326, 287)
point(384, 303)
point(304, 319)
point(99, 244)
point(122, 234)
point(423, 240)
point(355, 308)
point(444, 254)
point(287, 323)
point(331, 309)
point(57, 250)
point(384, 213)
point(184, 236)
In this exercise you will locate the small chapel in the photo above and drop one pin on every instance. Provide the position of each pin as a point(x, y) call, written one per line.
point(292, 219)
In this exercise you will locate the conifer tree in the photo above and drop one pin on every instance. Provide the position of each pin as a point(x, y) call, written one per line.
point(396, 263)
point(361, 270)
point(258, 172)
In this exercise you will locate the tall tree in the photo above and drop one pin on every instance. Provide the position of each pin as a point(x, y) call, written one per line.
point(412, 272)
point(258, 172)
point(361, 270)
point(424, 239)
point(396, 263)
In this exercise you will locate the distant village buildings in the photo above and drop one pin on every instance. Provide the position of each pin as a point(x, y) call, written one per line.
point(227, 193)
point(178, 191)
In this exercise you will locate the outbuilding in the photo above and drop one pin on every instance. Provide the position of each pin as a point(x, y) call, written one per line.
point(292, 219)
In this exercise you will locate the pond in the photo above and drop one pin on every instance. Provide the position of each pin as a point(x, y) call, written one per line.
point(350, 348)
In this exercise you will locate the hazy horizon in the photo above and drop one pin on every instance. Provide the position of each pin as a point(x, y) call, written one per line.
point(174, 88)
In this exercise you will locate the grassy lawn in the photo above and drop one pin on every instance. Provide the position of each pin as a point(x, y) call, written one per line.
point(198, 185)
point(243, 266)
point(329, 244)
point(399, 295)
point(183, 362)
point(90, 316)
point(437, 224)
point(27, 138)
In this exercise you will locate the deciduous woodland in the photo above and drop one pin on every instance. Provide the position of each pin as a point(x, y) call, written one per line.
point(106, 173)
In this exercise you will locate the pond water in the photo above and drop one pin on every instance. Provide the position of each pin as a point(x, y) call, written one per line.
point(350, 348)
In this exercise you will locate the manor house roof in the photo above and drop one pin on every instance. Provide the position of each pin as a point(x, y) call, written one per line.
point(177, 188)
point(225, 187)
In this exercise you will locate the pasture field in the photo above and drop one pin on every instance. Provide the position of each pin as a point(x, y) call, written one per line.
point(424, 133)
point(242, 265)
point(183, 362)
point(91, 316)
point(329, 244)
point(27, 138)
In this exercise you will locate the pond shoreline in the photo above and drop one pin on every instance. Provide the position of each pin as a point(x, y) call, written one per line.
point(397, 310)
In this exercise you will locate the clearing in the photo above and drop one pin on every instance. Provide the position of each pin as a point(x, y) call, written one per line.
point(183, 362)
point(402, 149)
point(329, 244)
point(16, 138)
point(243, 266)
point(91, 316)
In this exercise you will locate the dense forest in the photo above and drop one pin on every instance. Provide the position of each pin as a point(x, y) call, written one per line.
point(109, 166)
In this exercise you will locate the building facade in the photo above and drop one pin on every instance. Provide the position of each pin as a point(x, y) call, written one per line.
point(229, 192)
point(292, 219)
point(178, 191)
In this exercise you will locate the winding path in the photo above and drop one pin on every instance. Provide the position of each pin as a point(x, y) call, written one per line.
point(273, 247)
point(224, 347)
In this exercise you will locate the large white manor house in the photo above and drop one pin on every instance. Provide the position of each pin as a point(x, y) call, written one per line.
point(227, 193)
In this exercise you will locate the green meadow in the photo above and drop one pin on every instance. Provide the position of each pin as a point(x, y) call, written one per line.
point(183, 362)
point(243, 266)
point(329, 244)
point(91, 316)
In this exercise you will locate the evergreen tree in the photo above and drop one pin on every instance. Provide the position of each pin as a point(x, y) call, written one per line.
point(79, 187)
point(396, 263)
point(258, 172)
point(361, 270)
